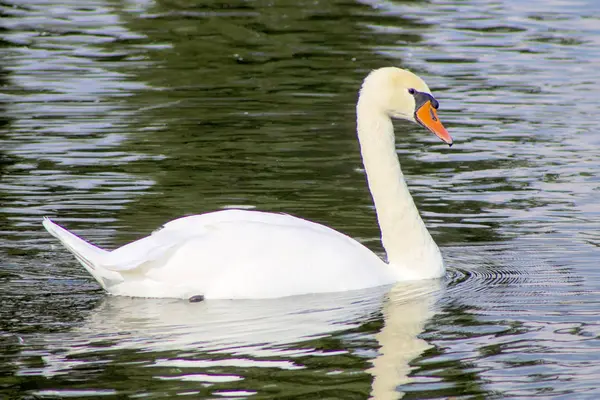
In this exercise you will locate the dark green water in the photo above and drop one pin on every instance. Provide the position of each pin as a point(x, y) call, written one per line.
point(116, 116)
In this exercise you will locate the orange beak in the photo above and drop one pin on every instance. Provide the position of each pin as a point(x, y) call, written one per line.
point(427, 116)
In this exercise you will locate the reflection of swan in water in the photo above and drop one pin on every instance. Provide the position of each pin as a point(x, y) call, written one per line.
point(404, 318)
point(247, 334)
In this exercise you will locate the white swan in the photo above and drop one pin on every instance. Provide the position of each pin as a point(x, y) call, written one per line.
point(237, 254)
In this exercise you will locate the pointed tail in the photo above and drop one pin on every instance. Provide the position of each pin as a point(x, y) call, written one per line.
point(86, 253)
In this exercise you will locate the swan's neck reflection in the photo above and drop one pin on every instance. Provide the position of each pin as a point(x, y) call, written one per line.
point(399, 342)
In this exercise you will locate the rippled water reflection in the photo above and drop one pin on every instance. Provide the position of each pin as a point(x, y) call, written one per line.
point(118, 116)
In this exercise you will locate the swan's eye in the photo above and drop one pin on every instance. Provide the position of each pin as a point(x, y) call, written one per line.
point(412, 91)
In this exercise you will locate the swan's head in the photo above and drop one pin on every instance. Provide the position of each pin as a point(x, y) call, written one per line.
point(401, 94)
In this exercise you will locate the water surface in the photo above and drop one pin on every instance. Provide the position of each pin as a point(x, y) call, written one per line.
point(116, 116)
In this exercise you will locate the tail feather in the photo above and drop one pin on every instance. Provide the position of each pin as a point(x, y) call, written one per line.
point(87, 254)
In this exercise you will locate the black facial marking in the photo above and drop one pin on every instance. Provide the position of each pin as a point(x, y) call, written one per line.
point(422, 98)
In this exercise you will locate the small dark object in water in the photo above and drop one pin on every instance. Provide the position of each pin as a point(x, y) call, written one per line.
point(197, 298)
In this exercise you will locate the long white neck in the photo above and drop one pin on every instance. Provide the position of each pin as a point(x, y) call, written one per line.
point(410, 249)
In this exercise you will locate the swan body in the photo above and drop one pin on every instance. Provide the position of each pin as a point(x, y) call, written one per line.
point(240, 254)
point(233, 254)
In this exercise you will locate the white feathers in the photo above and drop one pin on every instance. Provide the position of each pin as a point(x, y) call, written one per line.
point(233, 254)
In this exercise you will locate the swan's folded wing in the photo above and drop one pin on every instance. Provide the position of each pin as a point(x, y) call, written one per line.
point(168, 237)
point(234, 224)
point(142, 251)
